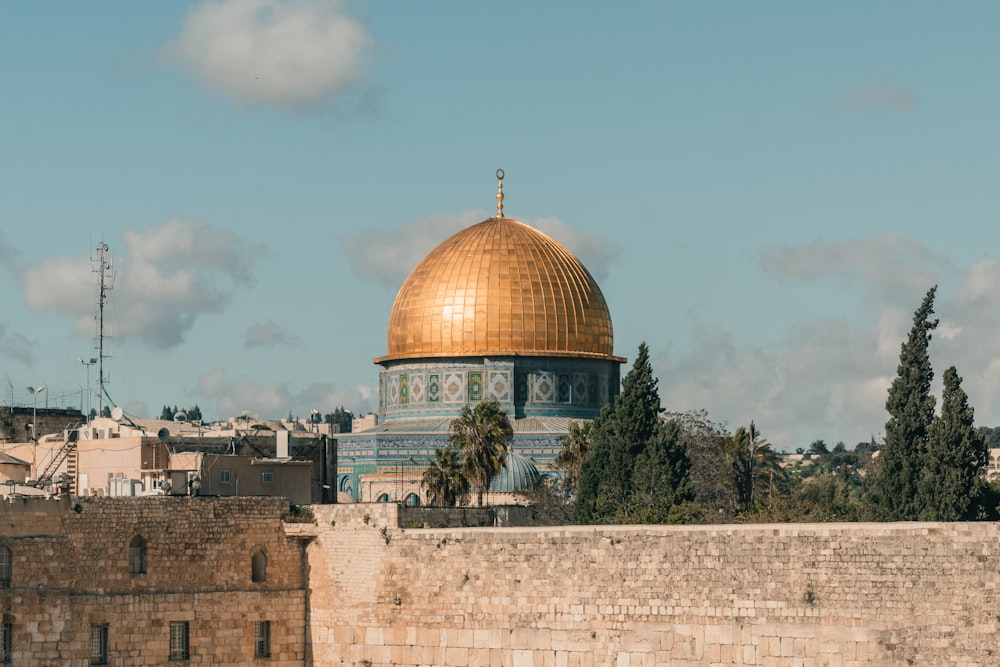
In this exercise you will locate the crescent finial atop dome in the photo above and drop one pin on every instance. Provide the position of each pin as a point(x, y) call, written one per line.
point(499, 193)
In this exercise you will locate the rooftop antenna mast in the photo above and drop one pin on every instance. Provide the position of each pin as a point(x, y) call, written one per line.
point(102, 266)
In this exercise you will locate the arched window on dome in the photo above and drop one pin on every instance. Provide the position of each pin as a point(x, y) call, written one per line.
point(137, 555)
point(258, 567)
point(384, 498)
point(412, 500)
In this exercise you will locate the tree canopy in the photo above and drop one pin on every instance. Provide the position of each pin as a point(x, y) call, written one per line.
point(952, 480)
point(190, 414)
point(636, 470)
point(929, 468)
point(482, 435)
point(910, 405)
point(341, 417)
point(444, 481)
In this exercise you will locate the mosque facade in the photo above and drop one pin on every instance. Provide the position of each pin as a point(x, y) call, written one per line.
point(497, 312)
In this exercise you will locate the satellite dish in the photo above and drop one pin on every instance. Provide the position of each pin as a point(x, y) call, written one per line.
point(117, 414)
point(180, 417)
point(163, 434)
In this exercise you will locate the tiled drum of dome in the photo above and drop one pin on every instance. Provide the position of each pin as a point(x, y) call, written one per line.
point(416, 388)
point(499, 386)
point(454, 388)
point(475, 386)
point(433, 388)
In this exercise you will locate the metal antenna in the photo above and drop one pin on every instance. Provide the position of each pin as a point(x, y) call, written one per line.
point(103, 268)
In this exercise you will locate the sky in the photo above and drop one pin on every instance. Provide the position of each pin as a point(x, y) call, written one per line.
point(764, 191)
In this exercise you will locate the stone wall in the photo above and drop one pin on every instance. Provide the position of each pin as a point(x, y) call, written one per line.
point(818, 594)
point(368, 590)
point(15, 423)
point(70, 571)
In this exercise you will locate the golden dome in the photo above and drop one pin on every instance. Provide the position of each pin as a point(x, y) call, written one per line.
point(499, 288)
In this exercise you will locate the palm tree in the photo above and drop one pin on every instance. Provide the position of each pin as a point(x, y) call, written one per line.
point(575, 446)
point(444, 481)
point(754, 464)
point(483, 436)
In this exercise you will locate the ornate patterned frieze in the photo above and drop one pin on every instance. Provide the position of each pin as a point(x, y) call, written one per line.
point(554, 386)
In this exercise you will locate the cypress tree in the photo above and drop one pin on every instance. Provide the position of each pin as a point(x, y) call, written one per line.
point(659, 478)
point(630, 430)
point(952, 481)
point(894, 489)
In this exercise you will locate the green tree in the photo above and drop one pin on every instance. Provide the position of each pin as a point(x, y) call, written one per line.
point(629, 430)
point(483, 437)
point(893, 491)
point(755, 469)
point(991, 436)
point(830, 496)
point(819, 448)
point(191, 414)
point(443, 479)
point(341, 417)
point(952, 479)
point(705, 443)
point(659, 479)
point(575, 447)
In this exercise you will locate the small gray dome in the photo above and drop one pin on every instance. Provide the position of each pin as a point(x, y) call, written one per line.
point(519, 474)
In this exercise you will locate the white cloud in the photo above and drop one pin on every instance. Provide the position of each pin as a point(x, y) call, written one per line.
point(967, 338)
point(283, 53)
point(893, 267)
point(232, 396)
point(879, 96)
point(138, 410)
point(16, 347)
point(269, 334)
point(829, 378)
point(387, 255)
point(597, 254)
point(165, 279)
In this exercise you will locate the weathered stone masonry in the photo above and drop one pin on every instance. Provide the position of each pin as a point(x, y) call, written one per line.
point(70, 570)
point(818, 594)
point(356, 588)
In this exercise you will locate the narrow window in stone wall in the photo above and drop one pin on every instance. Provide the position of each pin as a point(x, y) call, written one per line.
point(99, 644)
point(225, 476)
point(179, 640)
point(7, 644)
point(137, 556)
point(258, 567)
point(5, 566)
point(267, 477)
point(262, 639)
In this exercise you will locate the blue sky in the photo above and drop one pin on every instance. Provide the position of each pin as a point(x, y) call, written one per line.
point(765, 191)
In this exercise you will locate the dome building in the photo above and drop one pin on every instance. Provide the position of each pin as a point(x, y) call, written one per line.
point(499, 311)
